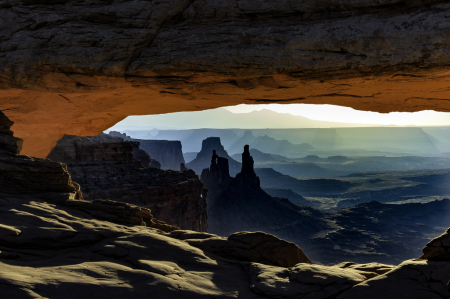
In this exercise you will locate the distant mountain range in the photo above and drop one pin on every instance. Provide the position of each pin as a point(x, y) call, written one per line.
point(222, 118)
point(297, 143)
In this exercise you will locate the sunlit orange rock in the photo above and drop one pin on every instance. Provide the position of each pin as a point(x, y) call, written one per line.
point(72, 68)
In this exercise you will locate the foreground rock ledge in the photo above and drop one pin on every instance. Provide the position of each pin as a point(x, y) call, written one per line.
point(73, 68)
point(56, 251)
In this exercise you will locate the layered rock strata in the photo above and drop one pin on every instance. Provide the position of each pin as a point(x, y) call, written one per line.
point(107, 169)
point(26, 175)
point(368, 55)
point(165, 154)
point(23, 178)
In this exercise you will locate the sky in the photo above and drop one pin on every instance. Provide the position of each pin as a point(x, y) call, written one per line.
point(293, 115)
point(349, 115)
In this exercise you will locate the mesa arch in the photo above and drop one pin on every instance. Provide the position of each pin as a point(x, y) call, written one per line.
point(67, 67)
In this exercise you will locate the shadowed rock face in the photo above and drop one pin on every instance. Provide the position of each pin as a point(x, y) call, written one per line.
point(26, 175)
point(71, 68)
point(167, 153)
point(247, 176)
point(107, 169)
point(203, 158)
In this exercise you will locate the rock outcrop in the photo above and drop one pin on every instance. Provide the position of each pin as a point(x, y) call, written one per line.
point(256, 247)
point(23, 178)
point(203, 159)
point(107, 169)
point(368, 55)
point(438, 249)
point(26, 175)
point(247, 176)
point(370, 232)
point(239, 204)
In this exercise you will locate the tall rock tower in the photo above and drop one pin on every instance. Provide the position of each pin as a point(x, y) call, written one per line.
point(247, 176)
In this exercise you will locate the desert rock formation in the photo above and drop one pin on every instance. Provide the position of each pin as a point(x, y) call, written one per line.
point(71, 68)
point(438, 249)
point(55, 246)
point(203, 158)
point(107, 169)
point(165, 154)
point(26, 175)
point(168, 153)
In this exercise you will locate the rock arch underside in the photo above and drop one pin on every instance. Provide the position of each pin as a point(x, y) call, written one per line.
point(78, 67)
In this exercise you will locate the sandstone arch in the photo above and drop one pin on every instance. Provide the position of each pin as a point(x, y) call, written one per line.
point(80, 67)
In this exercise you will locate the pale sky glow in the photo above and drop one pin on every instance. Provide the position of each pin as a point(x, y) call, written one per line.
point(349, 115)
point(281, 116)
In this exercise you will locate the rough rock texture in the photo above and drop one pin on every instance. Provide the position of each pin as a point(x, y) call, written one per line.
point(26, 175)
point(106, 168)
point(415, 279)
point(203, 159)
point(248, 246)
point(438, 249)
point(369, 270)
point(302, 281)
point(54, 250)
point(71, 68)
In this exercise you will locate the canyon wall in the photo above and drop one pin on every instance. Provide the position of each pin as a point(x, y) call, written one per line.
point(72, 68)
point(167, 153)
point(106, 169)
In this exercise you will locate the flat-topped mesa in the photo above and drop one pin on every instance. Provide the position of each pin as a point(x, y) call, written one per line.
point(247, 175)
point(26, 175)
point(107, 169)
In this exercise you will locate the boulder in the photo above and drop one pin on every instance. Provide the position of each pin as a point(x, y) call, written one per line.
point(257, 247)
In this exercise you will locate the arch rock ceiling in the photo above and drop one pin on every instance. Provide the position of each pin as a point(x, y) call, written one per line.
point(78, 67)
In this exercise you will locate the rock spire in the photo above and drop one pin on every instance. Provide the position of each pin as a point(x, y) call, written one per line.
point(247, 175)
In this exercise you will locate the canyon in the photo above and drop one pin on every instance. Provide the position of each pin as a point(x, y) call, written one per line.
point(79, 67)
point(54, 244)
point(106, 167)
